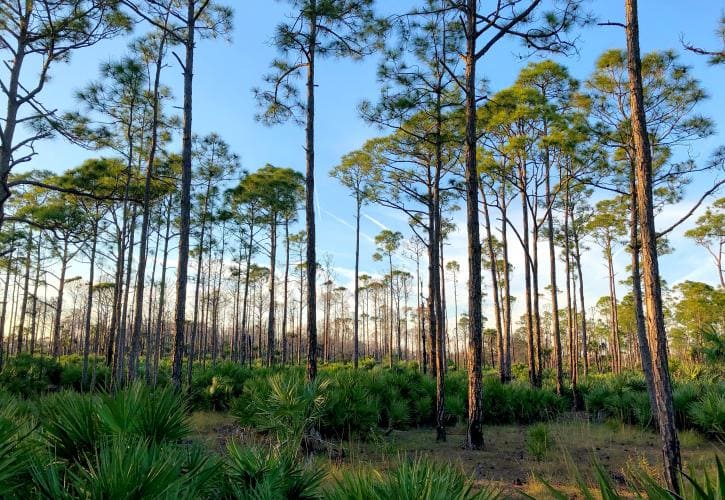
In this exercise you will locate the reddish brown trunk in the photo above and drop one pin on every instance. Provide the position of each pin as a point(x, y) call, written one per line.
point(650, 266)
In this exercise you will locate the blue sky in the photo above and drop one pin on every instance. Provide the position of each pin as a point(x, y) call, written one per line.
point(223, 103)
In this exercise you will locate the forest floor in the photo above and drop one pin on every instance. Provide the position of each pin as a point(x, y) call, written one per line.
point(505, 463)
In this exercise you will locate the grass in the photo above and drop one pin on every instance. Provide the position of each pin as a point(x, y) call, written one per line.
point(505, 463)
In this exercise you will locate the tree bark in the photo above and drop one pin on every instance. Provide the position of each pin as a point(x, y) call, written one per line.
point(556, 329)
point(26, 290)
point(508, 346)
point(356, 320)
point(59, 300)
point(245, 299)
point(146, 218)
point(650, 266)
point(474, 432)
point(34, 313)
point(531, 349)
point(89, 306)
point(614, 314)
point(185, 201)
point(286, 283)
point(573, 368)
point(495, 288)
point(3, 312)
point(585, 340)
point(162, 295)
point(272, 270)
point(199, 261)
point(310, 200)
point(11, 114)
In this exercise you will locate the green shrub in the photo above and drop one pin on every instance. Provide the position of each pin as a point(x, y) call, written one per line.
point(28, 375)
point(708, 413)
point(284, 405)
point(367, 363)
point(642, 484)
point(418, 479)
point(684, 395)
point(255, 473)
point(156, 415)
point(642, 410)
point(71, 376)
point(595, 401)
point(496, 407)
point(127, 469)
point(215, 388)
point(351, 408)
point(538, 440)
point(70, 424)
point(16, 446)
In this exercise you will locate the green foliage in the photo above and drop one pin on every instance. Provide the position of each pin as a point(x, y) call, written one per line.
point(262, 474)
point(538, 440)
point(419, 479)
point(156, 415)
point(683, 397)
point(16, 446)
point(358, 402)
point(351, 408)
point(215, 388)
point(284, 405)
point(126, 469)
point(708, 413)
point(70, 424)
point(697, 404)
point(75, 424)
point(26, 375)
point(643, 485)
point(517, 402)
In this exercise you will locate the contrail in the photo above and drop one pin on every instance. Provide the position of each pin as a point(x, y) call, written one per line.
point(376, 222)
point(346, 223)
point(340, 220)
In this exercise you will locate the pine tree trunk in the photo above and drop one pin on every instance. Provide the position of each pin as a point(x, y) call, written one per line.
point(474, 432)
point(146, 220)
point(11, 113)
point(272, 271)
point(493, 265)
point(585, 340)
point(556, 329)
point(162, 296)
point(121, 338)
point(26, 292)
point(508, 345)
point(185, 200)
point(645, 350)
point(150, 340)
point(356, 319)
point(614, 314)
point(310, 200)
point(569, 313)
point(286, 283)
point(59, 300)
point(535, 299)
point(245, 299)
point(531, 349)
point(89, 307)
point(34, 313)
point(650, 267)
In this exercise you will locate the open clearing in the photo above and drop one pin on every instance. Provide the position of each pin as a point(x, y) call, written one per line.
point(505, 462)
